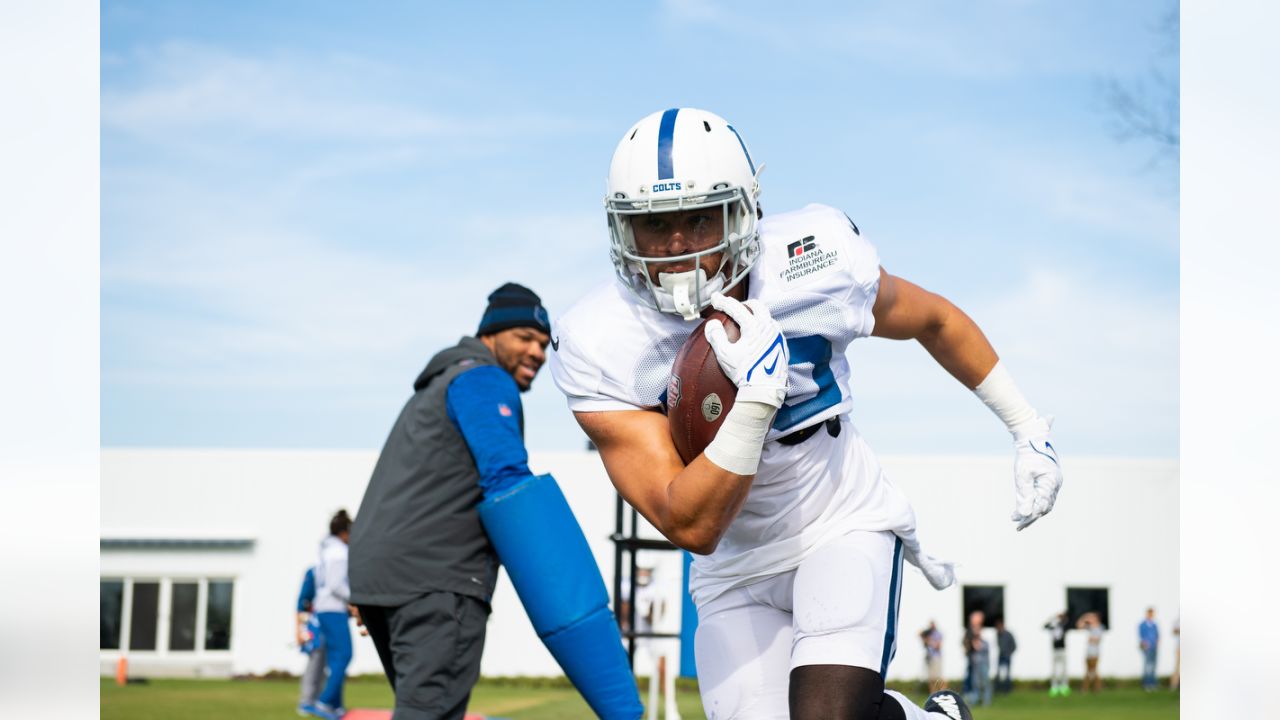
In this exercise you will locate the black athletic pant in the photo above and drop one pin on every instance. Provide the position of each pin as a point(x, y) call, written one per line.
point(430, 650)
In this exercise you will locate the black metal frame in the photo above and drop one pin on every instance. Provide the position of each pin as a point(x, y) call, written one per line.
point(631, 542)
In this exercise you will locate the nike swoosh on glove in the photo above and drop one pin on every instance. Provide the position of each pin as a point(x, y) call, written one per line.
point(1037, 476)
point(758, 362)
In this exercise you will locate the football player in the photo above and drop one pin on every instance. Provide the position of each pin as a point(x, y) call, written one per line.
point(798, 538)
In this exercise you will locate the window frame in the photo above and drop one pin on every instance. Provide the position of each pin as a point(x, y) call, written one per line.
point(121, 638)
point(1073, 618)
point(988, 619)
point(203, 610)
point(164, 615)
point(170, 616)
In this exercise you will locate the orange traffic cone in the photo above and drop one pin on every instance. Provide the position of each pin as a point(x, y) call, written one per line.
point(122, 671)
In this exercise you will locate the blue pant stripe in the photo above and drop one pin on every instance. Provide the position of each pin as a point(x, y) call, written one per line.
point(895, 601)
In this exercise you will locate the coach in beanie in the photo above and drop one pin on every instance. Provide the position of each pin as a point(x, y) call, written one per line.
point(422, 568)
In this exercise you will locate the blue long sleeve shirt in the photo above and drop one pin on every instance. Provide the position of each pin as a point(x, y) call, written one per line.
point(307, 595)
point(484, 404)
point(1149, 633)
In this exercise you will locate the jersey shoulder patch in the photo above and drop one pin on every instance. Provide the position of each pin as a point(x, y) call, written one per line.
point(817, 245)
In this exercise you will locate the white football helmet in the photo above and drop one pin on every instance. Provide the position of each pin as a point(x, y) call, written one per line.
point(675, 160)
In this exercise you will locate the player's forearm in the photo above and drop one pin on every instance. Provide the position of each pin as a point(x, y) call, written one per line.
point(690, 505)
point(719, 479)
point(701, 502)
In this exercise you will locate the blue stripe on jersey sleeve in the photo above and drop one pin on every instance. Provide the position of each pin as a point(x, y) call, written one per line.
point(484, 404)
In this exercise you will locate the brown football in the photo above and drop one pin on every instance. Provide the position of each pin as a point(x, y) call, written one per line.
point(699, 394)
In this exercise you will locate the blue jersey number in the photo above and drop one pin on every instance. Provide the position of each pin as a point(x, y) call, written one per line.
point(817, 350)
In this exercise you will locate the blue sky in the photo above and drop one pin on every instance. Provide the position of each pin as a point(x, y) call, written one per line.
point(302, 202)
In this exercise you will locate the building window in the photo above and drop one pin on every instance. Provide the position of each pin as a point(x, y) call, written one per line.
point(182, 615)
point(111, 610)
point(218, 623)
point(143, 614)
point(987, 598)
point(166, 616)
point(1081, 600)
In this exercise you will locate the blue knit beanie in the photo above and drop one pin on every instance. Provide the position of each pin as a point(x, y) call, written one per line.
point(512, 306)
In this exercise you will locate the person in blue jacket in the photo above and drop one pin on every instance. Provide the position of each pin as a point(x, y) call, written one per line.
point(331, 609)
point(452, 497)
point(1149, 643)
point(310, 642)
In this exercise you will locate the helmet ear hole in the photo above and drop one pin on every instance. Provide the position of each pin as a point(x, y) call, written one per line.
point(706, 125)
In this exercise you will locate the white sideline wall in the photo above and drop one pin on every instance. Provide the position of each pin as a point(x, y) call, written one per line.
point(1115, 526)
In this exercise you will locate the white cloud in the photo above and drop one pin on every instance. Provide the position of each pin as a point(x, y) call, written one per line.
point(1000, 38)
point(185, 86)
point(180, 87)
point(254, 306)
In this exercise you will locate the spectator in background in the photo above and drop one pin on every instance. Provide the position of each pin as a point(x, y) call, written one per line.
point(931, 637)
point(1057, 627)
point(310, 642)
point(1005, 646)
point(653, 616)
point(332, 608)
point(1149, 642)
point(979, 652)
point(1174, 679)
point(1091, 623)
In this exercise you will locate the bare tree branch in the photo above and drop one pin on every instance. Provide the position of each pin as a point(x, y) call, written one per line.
point(1148, 109)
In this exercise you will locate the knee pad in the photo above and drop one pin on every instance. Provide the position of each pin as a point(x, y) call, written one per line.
point(846, 598)
point(550, 564)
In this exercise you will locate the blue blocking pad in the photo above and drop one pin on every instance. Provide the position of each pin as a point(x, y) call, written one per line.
point(550, 564)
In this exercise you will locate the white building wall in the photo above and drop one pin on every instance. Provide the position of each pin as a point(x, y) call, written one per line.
point(1115, 526)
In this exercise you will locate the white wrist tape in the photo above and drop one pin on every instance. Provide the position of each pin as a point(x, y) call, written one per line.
point(739, 440)
point(999, 393)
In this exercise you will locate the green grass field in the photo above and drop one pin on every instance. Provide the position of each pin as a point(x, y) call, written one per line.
point(275, 700)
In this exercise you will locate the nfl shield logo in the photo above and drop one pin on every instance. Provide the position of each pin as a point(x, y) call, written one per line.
point(673, 392)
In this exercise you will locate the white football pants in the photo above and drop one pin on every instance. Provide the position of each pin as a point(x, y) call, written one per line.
point(840, 607)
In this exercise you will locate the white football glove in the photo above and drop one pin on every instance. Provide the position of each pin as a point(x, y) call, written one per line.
point(1037, 476)
point(757, 363)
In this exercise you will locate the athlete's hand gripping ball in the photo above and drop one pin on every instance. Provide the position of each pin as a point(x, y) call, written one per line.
point(1037, 476)
point(757, 362)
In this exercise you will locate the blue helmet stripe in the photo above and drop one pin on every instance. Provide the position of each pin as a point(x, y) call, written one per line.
point(750, 164)
point(666, 133)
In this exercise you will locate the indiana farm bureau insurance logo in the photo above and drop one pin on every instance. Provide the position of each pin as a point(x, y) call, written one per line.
point(800, 247)
point(805, 258)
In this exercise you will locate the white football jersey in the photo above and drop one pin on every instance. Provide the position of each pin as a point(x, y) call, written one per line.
point(819, 277)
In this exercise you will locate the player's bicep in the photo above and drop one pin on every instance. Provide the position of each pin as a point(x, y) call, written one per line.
point(638, 454)
point(904, 310)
